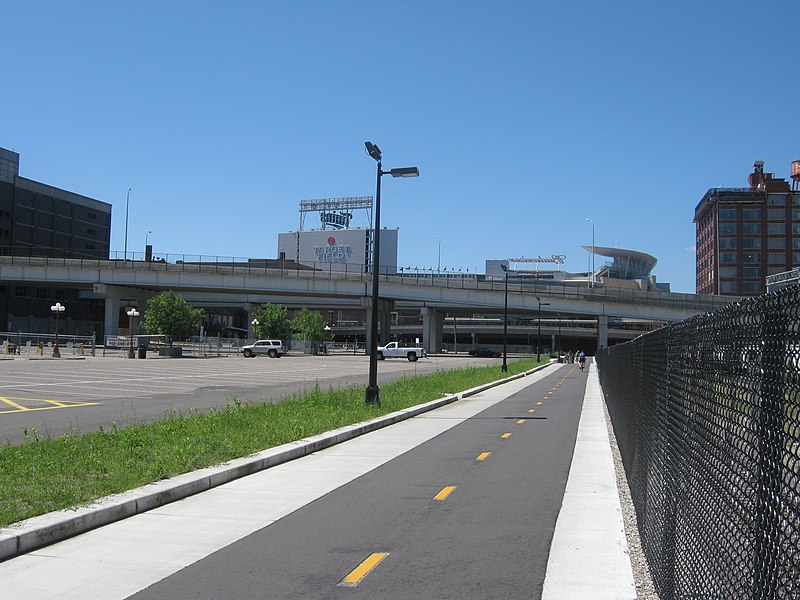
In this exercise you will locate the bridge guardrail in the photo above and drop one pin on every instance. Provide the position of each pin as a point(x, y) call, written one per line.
point(280, 268)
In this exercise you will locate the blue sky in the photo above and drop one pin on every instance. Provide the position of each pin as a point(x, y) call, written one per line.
point(524, 118)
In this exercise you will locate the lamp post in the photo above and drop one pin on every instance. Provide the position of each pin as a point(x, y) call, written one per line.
point(591, 283)
point(504, 368)
point(57, 308)
point(539, 328)
point(255, 323)
point(132, 314)
point(372, 393)
point(127, 202)
point(146, 236)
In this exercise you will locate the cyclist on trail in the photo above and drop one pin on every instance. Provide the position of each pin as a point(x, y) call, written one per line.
point(582, 359)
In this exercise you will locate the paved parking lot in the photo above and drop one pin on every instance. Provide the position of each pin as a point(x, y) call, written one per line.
point(55, 396)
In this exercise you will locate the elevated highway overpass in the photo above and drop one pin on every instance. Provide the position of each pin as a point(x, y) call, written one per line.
point(242, 285)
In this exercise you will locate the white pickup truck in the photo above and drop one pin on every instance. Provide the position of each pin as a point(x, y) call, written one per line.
point(393, 350)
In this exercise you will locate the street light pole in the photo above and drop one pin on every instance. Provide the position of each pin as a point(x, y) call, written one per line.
point(591, 284)
point(57, 308)
point(504, 368)
point(127, 202)
point(539, 328)
point(132, 313)
point(372, 393)
point(255, 323)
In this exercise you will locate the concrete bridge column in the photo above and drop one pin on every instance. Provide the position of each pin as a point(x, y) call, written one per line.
point(112, 295)
point(602, 332)
point(432, 328)
point(385, 308)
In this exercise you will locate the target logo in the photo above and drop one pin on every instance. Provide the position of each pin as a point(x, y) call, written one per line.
point(331, 241)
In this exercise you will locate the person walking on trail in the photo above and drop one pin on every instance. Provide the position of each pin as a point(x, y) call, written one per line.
point(582, 359)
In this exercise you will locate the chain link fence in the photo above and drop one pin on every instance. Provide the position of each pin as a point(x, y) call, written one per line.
point(707, 417)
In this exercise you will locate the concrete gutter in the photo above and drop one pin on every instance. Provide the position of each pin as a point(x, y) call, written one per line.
point(59, 525)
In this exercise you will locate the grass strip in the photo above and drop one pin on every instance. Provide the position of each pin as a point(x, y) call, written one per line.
point(43, 475)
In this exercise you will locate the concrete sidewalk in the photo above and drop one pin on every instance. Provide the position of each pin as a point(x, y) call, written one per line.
point(588, 557)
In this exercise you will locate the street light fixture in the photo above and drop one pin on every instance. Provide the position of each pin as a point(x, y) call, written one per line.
point(539, 329)
point(372, 393)
point(504, 368)
point(591, 283)
point(255, 323)
point(132, 313)
point(57, 308)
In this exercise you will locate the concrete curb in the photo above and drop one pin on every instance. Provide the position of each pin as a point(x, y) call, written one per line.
point(53, 527)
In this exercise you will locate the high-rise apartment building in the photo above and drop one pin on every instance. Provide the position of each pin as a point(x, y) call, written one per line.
point(745, 234)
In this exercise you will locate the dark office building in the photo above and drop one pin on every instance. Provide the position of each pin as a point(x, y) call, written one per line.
point(37, 219)
point(746, 234)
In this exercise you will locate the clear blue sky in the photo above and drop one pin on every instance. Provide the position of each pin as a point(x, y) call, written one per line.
point(524, 118)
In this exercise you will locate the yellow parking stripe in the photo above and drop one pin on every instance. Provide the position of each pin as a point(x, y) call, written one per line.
point(368, 564)
point(11, 403)
point(446, 491)
point(483, 456)
point(52, 404)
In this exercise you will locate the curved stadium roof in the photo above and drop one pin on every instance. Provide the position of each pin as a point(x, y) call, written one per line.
point(628, 264)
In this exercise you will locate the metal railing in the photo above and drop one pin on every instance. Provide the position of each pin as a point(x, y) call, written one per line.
point(238, 266)
point(707, 418)
point(41, 344)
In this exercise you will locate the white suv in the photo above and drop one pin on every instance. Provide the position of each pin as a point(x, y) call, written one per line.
point(272, 348)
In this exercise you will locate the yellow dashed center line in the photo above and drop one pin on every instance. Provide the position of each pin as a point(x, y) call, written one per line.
point(539, 403)
point(533, 410)
point(505, 436)
point(446, 491)
point(520, 422)
point(483, 456)
point(368, 564)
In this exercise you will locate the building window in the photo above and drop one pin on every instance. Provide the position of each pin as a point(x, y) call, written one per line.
point(751, 272)
point(776, 228)
point(796, 243)
point(727, 227)
point(796, 259)
point(727, 257)
point(727, 272)
point(751, 228)
point(776, 214)
point(751, 214)
point(795, 228)
point(727, 286)
point(777, 258)
point(796, 214)
point(727, 214)
point(727, 243)
point(777, 243)
point(751, 243)
point(91, 231)
point(752, 286)
point(751, 257)
point(776, 200)
point(22, 291)
point(42, 293)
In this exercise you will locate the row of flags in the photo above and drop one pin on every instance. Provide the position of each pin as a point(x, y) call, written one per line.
point(430, 269)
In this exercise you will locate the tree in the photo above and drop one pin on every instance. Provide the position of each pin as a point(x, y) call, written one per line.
point(310, 326)
point(273, 322)
point(168, 314)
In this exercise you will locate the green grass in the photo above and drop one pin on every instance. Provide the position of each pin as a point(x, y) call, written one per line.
point(43, 475)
